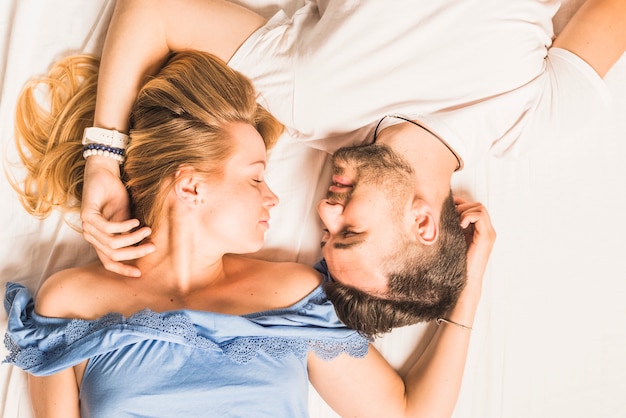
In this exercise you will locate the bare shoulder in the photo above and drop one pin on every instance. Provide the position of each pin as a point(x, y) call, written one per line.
point(298, 274)
point(72, 293)
point(292, 280)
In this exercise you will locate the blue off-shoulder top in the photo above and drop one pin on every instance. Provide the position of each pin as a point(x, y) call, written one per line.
point(183, 363)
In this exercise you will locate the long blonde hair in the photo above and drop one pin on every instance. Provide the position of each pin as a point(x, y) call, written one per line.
point(178, 119)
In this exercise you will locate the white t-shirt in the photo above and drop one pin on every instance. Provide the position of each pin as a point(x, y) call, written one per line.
point(477, 72)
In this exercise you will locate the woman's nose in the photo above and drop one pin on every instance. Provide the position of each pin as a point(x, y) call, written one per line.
point(270, 199)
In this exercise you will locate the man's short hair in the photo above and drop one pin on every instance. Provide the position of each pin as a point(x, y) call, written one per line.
point(424, 282)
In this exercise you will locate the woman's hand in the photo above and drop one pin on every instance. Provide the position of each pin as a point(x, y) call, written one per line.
point(105, 213)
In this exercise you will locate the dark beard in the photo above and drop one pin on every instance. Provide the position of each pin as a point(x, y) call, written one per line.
point(377, 163)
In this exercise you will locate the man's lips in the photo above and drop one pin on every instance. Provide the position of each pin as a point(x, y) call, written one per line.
point(342, 181)
point(340, 184)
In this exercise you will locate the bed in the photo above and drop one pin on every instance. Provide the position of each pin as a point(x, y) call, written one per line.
point(550, 335)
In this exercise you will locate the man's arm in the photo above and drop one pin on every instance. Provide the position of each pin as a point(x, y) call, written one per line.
point(141, 35)
point(596, 33)
point(369, 387)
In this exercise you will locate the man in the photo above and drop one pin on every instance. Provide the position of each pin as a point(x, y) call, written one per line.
point(421, 79)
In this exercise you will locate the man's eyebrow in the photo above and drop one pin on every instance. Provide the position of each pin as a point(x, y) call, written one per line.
point(353, 242)
point(347, 245)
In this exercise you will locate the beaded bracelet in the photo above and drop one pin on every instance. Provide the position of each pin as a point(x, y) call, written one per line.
point(106, 142)
point(104, 150)
point(447, 321)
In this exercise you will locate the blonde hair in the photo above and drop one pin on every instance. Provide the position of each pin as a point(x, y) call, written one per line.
point(179, 119)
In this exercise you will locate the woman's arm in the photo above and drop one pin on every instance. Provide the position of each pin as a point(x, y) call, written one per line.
point(143, 32)
point(70, 293)
point(55, 396)
point(370, 387)
point(141, 35)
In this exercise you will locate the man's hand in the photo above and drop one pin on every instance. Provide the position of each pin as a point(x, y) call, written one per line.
point(480, 237)
point(105, 213)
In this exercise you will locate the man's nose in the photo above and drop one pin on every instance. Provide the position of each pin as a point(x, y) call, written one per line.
point(330, 213)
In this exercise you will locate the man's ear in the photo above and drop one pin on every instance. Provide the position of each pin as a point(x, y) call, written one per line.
point(186, 185)
point(425, 225)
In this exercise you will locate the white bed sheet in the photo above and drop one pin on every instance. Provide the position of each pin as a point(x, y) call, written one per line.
point(551, 330)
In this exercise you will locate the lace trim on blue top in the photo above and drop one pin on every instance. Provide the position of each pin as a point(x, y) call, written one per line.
point(240, 350)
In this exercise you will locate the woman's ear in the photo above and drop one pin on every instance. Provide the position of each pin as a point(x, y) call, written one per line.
point(186, 185)
point(424, 222)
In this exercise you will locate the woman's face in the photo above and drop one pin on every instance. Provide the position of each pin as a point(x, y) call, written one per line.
point(239, 206)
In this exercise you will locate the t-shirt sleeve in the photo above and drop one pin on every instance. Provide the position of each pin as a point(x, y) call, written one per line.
point(551, 107)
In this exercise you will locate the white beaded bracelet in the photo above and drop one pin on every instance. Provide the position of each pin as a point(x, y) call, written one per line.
point(105, 153)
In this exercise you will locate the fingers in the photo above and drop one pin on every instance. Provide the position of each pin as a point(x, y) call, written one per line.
point(114, 235)
point(480, 236)
point(474, 214)
point(471, 212)
point(105, 212)
point(119, 247)
point(95, 221)
point(114, 243)
point(118, 267)
point(112, 258)
point(458, 200)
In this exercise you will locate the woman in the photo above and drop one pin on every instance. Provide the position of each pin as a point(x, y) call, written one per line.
point(203, 331)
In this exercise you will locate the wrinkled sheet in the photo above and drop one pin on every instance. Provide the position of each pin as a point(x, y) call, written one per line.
point(550, 335)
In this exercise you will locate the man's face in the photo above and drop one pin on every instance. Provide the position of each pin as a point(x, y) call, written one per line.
point(366, 210)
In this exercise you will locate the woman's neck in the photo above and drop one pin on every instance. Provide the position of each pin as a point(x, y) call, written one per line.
point(184, 260)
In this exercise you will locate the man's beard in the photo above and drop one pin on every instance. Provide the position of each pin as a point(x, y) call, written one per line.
point(376, 164)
